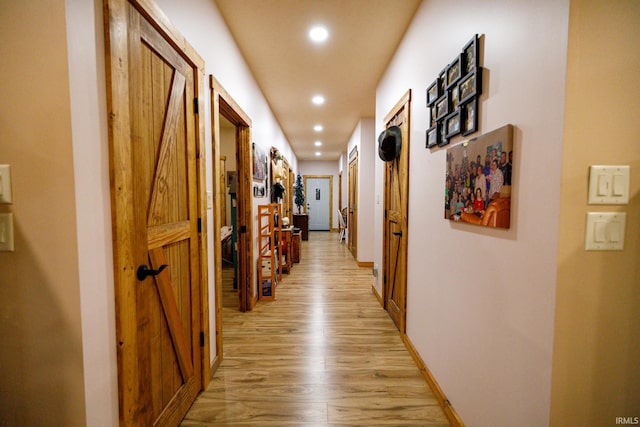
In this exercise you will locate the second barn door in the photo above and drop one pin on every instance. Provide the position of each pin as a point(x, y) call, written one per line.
point(396, 208)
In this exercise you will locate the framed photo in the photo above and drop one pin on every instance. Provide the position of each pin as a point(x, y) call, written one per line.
point(258, 190)
point(433, 135)
point(232, 181)
point(452, 124)
point(469, 117)
point(442, 139)
point(471, 55)
point(454, 72)
point(486, 199)
point(442, 106)
point(433, 92)
point(259, 163)
point(470, 85)
point(442, 80)
point(453, 96)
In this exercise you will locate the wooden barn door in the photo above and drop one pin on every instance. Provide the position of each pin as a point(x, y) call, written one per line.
point(396, 203)
point(154, 168)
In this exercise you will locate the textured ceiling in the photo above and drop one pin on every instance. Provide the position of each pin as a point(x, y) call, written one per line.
point(272, 36)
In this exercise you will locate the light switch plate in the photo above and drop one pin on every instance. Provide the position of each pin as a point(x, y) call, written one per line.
point(5, 184)
point(609, 185)
point(209, 200)
point(6, 232)
point(605, 231)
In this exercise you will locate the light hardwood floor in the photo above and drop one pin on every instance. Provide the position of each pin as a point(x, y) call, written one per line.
point(323, 353)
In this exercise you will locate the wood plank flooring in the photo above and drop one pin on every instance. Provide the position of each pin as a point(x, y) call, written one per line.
point(323, 353)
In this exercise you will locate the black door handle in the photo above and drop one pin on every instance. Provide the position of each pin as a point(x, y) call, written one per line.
point(143, 271)
point(397, 233)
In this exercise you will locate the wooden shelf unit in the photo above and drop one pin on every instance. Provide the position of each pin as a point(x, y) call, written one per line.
point(269, 259)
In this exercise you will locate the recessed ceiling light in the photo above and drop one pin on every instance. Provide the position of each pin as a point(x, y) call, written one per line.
point(317, 143)
point(318, 128)
point(318, 34)
point(318, 99)
point(318, 153)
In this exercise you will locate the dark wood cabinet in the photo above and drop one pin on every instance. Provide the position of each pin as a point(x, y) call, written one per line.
point(302, 222)
point(285, 245)
point(295, 247)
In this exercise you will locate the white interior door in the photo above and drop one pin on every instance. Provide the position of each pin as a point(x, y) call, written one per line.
point(318, 194)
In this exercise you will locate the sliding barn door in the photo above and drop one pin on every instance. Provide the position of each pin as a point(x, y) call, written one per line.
point(153, 136)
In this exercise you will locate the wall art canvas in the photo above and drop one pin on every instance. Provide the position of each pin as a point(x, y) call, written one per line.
point(478, 183)
point(259, 163)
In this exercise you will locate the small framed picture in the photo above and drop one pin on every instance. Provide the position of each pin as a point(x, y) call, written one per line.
point(433, 136)
point(470, 85)
point(471, 55)
point(442, 80)
point(442, 139)
point(469, 117)
point(258, 190)
point(454, 72)
point(442, 106)
point(433, 92)
point(452, 124)
point(453, 96)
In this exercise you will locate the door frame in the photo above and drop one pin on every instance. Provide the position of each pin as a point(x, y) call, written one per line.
point(330, 177)
point(352, 217)
point(289, 193)
point(403, 104)
point(118, 89)
point(340, 191)
point(223, 104)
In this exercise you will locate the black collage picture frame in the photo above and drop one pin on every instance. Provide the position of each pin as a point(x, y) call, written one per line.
point(452, 98)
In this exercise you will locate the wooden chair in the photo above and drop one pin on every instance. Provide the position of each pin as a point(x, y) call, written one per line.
point(342, 226)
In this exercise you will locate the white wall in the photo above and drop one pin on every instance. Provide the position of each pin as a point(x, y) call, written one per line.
point(200, 22)
point(363, 138)
point(344, 170)
point(480, 302)
point(366, 191)
point(85, 40)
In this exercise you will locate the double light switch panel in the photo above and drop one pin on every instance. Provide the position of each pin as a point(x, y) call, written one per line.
point(609, 185)
point(6, 219)
point(5, 184)
point(605, 231)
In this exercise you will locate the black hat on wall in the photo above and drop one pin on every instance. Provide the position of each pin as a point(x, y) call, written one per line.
point(277, 191)
point(390, 143)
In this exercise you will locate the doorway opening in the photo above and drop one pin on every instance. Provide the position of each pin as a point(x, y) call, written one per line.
point(228, 172)
point(231, 147)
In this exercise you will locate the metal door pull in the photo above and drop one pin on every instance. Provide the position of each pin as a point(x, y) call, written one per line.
point(143, 271)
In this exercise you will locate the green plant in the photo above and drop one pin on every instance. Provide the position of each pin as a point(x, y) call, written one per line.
point(298, 192)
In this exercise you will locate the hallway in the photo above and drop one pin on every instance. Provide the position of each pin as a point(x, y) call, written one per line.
point(323, 353)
